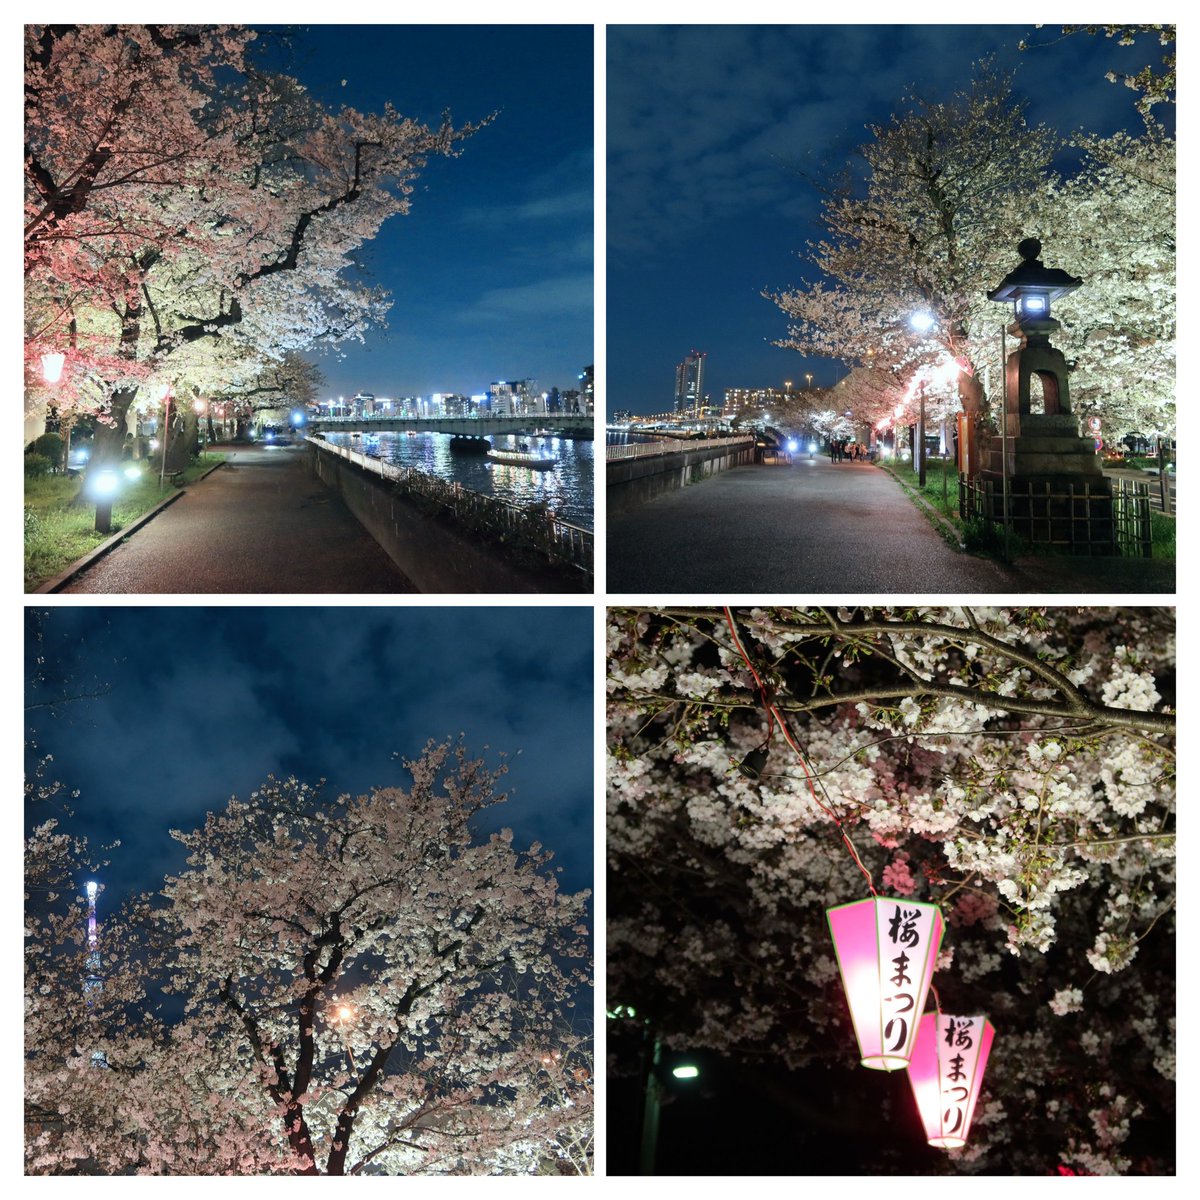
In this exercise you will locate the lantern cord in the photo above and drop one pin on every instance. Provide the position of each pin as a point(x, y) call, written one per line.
point(789, 737)
point(763, 694)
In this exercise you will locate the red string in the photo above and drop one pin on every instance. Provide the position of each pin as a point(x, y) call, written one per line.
point(772, 714)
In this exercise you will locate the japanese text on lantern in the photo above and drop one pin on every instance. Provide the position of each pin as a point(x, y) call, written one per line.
point(902, 933)
point(958, 1039)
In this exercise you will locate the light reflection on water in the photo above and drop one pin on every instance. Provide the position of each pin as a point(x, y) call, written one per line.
point(566, 487)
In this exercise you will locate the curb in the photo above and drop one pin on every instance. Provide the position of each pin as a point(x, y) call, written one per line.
point(80, 565)
point(946, 528)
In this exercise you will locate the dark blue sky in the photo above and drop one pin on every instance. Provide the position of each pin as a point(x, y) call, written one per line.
point(491, 270)
point(203, 703)
point(709, 129)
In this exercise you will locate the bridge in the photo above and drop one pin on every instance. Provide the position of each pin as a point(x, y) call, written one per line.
point(572, 423)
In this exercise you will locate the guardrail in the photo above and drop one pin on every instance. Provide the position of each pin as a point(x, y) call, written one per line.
point(669, 446)
point(486, 515)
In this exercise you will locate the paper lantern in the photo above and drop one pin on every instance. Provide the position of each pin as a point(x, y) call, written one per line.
point(945, 1071)
point(886, 950)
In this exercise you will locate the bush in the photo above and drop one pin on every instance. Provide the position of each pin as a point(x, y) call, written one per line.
point(37, 465)
point(981, 536)
point(49, 445)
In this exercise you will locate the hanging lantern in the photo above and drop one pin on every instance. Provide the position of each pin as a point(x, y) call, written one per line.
point(886, 950)
point(945, 1071)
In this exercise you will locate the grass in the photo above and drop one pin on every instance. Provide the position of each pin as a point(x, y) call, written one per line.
point(941, 484)
point(59, 531)
point(1162, 534)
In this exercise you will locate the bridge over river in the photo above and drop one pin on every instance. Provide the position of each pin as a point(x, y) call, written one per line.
point(559, 423)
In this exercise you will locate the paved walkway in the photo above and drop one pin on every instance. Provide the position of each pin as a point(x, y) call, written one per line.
point(258, 524)
point(822, 528)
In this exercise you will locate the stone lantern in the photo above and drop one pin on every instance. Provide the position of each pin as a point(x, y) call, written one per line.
point(1031, 288)
point(1055, 491)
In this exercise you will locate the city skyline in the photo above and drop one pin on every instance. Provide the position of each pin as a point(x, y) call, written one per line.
point(494, 261)
point(708, 214)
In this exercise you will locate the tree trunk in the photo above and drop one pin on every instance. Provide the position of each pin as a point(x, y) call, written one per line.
point(970, 393)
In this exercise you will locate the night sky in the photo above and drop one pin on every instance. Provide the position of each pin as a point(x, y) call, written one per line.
point(491, 270)
point(710, 130)
point(201, 704)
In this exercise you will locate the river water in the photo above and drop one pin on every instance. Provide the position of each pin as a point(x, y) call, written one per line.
point(566, 487)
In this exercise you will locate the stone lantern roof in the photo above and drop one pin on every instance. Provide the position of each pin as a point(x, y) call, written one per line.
point(1032, 276)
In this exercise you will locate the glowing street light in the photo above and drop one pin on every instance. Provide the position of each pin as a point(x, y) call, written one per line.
point(52, 366)
point(102, 487)
point(685, 1071)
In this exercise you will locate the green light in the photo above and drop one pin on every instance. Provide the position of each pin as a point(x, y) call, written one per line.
point(686, 1071)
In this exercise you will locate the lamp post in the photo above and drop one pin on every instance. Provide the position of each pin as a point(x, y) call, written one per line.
point(201, 406)
point(163, 393)
point(342, 1016)
point(102, 488)
point(923, 322)
point(52, 369)
point(808, 380)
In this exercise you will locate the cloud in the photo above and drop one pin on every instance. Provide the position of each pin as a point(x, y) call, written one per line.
point(554, 296)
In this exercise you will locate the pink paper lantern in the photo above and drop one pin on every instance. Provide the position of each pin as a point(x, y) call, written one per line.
point(945, 1071)
point(886, 950)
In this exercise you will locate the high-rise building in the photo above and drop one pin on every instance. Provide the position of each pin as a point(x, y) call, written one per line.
point(587, 388)
point(689, 383)
point(738, 400)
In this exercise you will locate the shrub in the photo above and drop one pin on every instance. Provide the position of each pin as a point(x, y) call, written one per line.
point(49, 445)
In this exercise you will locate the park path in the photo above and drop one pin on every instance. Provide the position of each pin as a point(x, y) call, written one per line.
point(260, 523)
point(817, 527)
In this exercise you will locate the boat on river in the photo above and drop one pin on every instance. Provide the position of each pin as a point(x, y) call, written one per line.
point(523, 458)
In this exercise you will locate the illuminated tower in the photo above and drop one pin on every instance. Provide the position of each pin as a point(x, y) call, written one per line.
point(689, 384)
point(91, 981)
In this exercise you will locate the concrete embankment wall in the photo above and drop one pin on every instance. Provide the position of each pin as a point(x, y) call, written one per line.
point(431, 552)
point(633, 481)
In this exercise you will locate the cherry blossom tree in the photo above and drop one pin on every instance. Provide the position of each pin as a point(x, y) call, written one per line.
point(950, 189)
point(245, 231)
point(921, 232)
point(1116, 218)
point(1013, 765)
point(367, 986)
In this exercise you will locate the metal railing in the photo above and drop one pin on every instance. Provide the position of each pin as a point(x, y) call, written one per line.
point(670, 446)
point(490, 516)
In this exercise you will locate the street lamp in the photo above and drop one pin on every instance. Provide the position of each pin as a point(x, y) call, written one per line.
point(922, 322)
point(52, 366)
point(808, 378)
point(343, 1015)
point(52, 369)
point(201, 407)
point(102, 488)
point(163, 392)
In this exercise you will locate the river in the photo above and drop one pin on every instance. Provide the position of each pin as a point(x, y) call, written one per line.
point(566, 487)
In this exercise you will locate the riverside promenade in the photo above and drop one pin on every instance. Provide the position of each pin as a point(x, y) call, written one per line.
point(816, 527)
point(258, 524)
